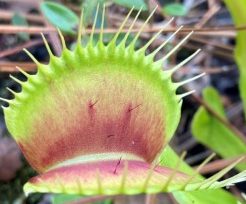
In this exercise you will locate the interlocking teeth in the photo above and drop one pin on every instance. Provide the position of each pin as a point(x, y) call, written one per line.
point(80, 28)
point(121, 27)
point(102, 25)
point(230, 181)
point(178, 84)
point(99, 182)
point(198, 169)
point(4, 100)
point(181, 96)
point(178, 66)
point(148, 178)
point(47, 74)
point(47, 45)
point(123, 42)
point(11, 91)
point(124, 176)
point(177, 46)
point(210, 181)
point(93, 27)
point(157, 34)
point(16, 80)
point(132, 45)
point(175, 171)
point(64, 47)
point(23, 72)
point(31, 56)
point(165, 42)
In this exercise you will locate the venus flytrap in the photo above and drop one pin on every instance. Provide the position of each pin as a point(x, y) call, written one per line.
point(95, 120)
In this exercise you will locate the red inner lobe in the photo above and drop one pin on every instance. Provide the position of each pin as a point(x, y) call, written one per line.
point(108, 170)
point(101, 120)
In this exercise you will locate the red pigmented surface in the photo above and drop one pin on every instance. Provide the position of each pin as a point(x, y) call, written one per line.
point(104, 117)
point(85, 176)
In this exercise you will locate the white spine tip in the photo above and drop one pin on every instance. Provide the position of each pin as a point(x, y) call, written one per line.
point(131, 26)
point(4, 108)
point(181, 96)
point(178, 45)
point(178, 66)
point(22, 71)
point(199, 76)
point(142, 27)
point(122, 26)
point(31, 56)
point(178, 84)
point(156, 7)
point(212, 181)
point(80, 27)
point(102, 24)
point(62, 39)
point(46, 45)
point(157, 34)
point(16, 80)
point(4, 100)
point(11, 91)
point(94, 24)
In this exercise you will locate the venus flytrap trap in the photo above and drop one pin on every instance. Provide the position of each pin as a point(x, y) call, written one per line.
point(95, 120)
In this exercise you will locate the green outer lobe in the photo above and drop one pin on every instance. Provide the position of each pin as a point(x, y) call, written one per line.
point(29, 106)
point(169, 159)
point(212, 133)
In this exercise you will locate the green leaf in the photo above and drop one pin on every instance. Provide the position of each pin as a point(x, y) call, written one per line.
point(238, 11)
point(137, 4)
point(64, 198)
point(169, 158)
point(212, 133)
point(60, 16)
point(19, 20)
point(205, 197)
point(175, 9)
